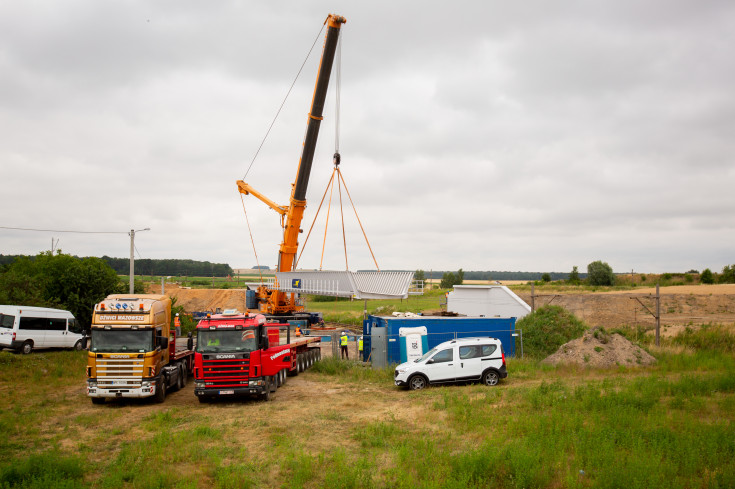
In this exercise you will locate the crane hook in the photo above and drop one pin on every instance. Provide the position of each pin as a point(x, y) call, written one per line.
point(336, 159)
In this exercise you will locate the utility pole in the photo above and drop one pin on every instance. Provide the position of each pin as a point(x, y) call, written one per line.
point(132, 257)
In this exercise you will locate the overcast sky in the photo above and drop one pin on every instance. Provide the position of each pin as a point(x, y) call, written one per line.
point(485, 135)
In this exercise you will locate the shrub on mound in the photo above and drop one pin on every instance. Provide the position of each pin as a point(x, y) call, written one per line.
point(547, 329)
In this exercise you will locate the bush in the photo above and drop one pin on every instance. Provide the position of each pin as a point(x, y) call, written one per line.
point(547, 329)
point(707, 277)
point(600, 273)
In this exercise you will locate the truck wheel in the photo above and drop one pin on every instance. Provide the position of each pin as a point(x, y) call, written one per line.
point(417, 382)
point(98, 400)
point(183, 375)
point(161, 390)
point(78, 346)
point(274, 383)
point(490, 378)
point(27, 348)
point(284, 376)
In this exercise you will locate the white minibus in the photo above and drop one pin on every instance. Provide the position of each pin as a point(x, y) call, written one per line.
point(24, 328)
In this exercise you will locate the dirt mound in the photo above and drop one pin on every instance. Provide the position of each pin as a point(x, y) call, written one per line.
point(203, 299)
point(599, 349)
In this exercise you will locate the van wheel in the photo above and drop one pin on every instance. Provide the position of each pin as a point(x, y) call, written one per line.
point(78, 346)
point(98, 400)
point(161, 390)
point(27, 348)
point(417, 382)
point(490, 378)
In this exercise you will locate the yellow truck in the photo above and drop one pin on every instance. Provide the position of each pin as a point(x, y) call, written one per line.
point(132, 352)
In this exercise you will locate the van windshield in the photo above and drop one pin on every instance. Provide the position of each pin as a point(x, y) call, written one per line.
point(426, 355)
point(106, 341)
point(6, 321)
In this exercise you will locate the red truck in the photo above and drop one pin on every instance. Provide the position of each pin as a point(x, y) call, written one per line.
point(240, 355)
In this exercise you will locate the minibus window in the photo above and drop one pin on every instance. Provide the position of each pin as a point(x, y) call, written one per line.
point(74, 326)
point(6, 321)
point(33, 324)
point(57, 324)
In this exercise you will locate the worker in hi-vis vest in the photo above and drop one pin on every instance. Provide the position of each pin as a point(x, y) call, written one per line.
point(343, 345)
point(177, 325)
point(359, 347)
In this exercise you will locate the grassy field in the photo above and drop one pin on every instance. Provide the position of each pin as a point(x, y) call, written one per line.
point(343, 425)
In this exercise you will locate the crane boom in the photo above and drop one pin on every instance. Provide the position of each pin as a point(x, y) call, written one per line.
point(274, 301)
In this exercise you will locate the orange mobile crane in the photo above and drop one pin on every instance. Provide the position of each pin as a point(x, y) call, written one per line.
point(272, 301)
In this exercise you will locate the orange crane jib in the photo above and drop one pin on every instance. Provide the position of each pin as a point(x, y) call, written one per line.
point(274, 301)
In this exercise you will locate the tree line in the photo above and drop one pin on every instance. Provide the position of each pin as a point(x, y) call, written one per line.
point(149, 266)
point(190, 268)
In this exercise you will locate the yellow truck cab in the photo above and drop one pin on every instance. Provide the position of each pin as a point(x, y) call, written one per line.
point(131, 353)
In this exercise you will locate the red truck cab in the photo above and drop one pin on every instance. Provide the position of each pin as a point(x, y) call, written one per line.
point(241, 355)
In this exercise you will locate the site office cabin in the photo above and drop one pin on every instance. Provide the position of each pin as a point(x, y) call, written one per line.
point(239, 354)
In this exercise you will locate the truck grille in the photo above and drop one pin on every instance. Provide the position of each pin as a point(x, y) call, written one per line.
point(115, 373)
point(225, 373)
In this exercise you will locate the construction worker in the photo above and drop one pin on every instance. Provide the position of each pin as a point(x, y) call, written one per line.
point(297, 331)
point(359, 347)
point(343, 345)
point(177, 325)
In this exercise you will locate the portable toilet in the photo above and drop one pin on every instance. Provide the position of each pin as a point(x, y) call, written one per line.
point(413, 342)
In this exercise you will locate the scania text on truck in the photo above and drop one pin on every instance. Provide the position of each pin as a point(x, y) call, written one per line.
point(241, 355)
point(131, 353)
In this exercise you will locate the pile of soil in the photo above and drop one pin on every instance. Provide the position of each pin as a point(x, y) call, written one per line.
point(600, 349)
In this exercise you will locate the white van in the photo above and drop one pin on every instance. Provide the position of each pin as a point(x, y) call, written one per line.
point(460, 360)
point(24, 328)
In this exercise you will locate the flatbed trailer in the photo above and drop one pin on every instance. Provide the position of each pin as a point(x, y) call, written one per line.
point(241, 355)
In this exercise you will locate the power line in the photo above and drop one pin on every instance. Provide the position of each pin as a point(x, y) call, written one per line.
point(67, 231)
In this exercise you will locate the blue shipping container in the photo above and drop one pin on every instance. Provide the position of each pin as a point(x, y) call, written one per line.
point(439, 330)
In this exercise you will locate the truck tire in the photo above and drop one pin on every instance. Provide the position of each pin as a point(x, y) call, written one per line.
point(274, 384)
point(26, 348)
point(160, 395)
point(284, 376)
point(183, 375)
point(98, 400)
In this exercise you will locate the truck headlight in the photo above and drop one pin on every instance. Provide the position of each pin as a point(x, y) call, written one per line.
point(145, 384)
point(254, 383)
point(198, 384)
point(92, 385)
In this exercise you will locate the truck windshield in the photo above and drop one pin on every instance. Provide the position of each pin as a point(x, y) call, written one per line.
point(106, 341)
point(213, 341)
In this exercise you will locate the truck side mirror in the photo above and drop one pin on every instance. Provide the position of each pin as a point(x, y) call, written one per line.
point(189, 342)
point(163, 341)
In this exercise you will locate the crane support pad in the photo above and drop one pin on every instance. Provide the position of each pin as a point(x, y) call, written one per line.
point(359, 285)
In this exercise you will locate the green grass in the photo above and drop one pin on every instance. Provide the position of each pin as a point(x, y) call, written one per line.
point(670, 425)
